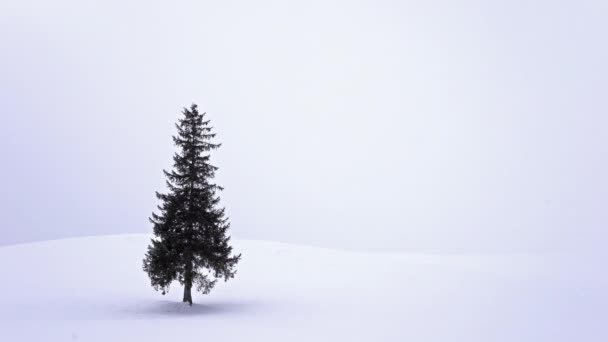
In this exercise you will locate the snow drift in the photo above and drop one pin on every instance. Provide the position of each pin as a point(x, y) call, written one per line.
point(93, 289)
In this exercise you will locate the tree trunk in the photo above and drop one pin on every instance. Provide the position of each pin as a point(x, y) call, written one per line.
point(188, 292)
point(188, 283)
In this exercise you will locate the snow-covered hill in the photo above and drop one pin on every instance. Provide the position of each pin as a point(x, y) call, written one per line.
point(93, 289)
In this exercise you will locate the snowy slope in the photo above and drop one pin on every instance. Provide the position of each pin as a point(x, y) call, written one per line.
point(93, 289)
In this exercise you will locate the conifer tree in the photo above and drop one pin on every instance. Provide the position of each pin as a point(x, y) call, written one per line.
point(191, 243)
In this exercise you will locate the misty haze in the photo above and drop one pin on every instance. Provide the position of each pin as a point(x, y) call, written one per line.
point(391, 170)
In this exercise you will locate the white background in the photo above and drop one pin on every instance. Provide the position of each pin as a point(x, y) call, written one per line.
point(435, 126)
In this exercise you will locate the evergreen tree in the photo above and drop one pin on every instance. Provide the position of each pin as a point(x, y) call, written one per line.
point(191, 244)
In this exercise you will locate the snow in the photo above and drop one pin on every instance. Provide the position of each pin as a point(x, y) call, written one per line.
point(93, 289)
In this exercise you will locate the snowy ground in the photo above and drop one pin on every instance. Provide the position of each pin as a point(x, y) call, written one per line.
point(93, 289)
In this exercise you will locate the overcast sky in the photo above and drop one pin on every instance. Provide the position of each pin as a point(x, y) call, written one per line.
point(455, 126)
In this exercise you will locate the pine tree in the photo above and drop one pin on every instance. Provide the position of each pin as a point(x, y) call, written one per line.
point(191, 244)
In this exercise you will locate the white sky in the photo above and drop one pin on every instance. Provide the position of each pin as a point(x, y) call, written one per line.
point(374, 125)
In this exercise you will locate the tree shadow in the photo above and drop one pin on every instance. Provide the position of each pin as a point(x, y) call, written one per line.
point(167, 308)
